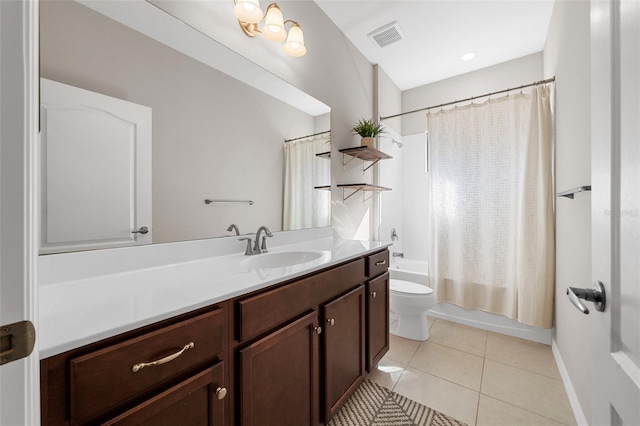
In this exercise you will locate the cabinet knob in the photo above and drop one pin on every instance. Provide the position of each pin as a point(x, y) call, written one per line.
point(331, 321)
point(318, 330)
point(221, 392)
point(373, 294)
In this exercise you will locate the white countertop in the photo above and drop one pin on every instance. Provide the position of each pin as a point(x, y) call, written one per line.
point(78, 311)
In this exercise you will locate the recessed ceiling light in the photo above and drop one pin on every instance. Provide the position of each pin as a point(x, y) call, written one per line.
point(469, 56)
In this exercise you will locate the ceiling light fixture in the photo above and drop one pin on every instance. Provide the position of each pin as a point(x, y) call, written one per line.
point(469, 56)
point(250, 14)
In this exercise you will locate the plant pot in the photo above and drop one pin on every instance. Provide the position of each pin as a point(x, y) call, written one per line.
point(368, 141)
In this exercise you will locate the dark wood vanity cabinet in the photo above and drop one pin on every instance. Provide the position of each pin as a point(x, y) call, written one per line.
point(377, 293)
point(159, 374)
point(276, 331)
point(279, 379)
point(344, 348)
point(290, 354)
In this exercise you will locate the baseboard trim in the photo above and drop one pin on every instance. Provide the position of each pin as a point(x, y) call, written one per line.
point(581, 419)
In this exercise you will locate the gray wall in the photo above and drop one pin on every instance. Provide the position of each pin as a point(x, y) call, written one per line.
point(334, 72)
point(213, 136)
point(498, 77)
point(566, 55)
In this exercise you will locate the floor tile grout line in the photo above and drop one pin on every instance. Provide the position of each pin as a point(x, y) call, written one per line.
point(524, 369)
point(480, 391)
point(524, 409)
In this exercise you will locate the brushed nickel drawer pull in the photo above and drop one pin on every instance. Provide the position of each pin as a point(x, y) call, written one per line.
point(381, 262)
point(164, 360)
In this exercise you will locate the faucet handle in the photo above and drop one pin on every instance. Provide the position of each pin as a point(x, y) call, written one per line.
point(249, 251)
point(263, 247)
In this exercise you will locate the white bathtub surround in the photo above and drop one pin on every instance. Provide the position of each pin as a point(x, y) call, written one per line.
point(416, 271)
point(88, 296)
point(491, 244)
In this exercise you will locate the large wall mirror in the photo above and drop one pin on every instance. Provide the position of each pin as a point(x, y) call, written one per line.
point(210, 136)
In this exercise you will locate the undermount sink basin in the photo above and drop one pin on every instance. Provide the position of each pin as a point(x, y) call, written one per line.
point(282, 259)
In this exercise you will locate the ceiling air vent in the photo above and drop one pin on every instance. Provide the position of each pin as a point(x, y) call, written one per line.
point(387, 34)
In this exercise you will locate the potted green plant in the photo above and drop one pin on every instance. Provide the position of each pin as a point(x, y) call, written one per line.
point(368, 130)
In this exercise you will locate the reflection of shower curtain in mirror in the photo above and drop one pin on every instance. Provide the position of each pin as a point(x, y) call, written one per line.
point(304, 206)
point(491, 207)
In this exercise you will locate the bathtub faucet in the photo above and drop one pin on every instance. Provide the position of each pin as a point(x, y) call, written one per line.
point(396, 254)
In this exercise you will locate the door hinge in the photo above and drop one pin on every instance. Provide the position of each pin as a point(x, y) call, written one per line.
point(16, 341)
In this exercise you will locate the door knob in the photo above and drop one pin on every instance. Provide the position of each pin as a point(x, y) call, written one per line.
point(595, 295)
point(143, 230)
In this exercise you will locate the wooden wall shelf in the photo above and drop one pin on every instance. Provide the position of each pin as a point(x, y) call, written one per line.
point(364, 153)
point(358, 187)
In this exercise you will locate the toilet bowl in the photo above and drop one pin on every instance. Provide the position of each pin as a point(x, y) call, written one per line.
point(410, 302)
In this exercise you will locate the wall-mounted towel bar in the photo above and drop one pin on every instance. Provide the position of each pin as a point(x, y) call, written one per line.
point(229, 202)
point(570, 193)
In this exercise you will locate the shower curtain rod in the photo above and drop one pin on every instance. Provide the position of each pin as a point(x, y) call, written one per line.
point(308, 136)
point(537, 83)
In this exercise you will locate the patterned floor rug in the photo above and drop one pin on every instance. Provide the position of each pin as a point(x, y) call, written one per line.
point(374, 405)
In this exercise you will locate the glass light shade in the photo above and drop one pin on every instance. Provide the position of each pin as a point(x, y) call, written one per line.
point(273, 28)
point(248, 11)
point(295, 42)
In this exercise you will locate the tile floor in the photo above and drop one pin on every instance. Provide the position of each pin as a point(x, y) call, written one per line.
point(478, 377)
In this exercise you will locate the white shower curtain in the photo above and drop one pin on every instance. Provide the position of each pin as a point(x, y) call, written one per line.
point(491, 206)
point(304, 206)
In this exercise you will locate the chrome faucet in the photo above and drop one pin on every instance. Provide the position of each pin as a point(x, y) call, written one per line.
point(396, 254)
point(232, 227)
point(257, 249)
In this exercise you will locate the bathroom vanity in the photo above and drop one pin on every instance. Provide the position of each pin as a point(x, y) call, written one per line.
point(289, 349)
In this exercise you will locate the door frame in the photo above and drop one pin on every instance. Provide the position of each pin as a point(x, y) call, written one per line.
point(19, 118)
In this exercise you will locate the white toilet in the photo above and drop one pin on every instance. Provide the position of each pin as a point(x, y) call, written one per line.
point(410, 302)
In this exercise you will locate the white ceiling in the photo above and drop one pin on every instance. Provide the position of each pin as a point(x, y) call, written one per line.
point(439, 32)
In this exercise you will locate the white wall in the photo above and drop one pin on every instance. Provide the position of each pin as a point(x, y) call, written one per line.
point(388, 101)
point(566, 55)
point(213, 136)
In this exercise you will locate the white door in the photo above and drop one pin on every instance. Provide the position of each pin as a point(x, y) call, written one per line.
point(96, 170)
point(615, 88)
point(19, 379)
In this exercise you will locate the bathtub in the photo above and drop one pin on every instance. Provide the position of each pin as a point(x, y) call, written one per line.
point(417, 271)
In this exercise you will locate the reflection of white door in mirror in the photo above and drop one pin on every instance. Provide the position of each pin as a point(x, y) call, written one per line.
point(96, 170)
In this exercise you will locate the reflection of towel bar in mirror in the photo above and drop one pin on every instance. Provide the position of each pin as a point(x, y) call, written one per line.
point(229, 202)
point(571, 192)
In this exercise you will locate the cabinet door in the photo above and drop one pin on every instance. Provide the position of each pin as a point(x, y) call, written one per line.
point(279, 379)
point(196, 401)
point(377, 319)
point(344, 348)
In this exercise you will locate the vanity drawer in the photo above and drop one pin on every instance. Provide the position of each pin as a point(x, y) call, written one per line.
point(377, 263)
point(266, 310)
point(102, 380)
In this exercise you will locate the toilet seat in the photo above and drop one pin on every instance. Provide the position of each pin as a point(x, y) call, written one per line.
point(408, 287)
